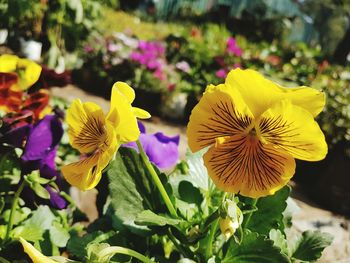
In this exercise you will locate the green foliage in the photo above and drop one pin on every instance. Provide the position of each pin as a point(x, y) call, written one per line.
point(131, 191)
point(310, 245)
point(77, 245)
point(148, 218)
point(254, 248)
point(269, 214)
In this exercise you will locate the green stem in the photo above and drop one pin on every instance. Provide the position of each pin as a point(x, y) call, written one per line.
point(156, 180)
point(177, 244)
point(209, 250)
point(246, 222)
point(110, 251)
point(214, 227)
point(13, 209)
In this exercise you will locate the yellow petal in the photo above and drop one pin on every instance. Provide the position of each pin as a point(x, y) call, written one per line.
point(220, 113)
point(260, 93)
point(140, 113)
point(122, 116)
point(86, 174)
point(125, 90)
point(8, 63)
point(86, 122)
point(83, 174)
point(293, 129)
point(34, 254)
point(242, 164)
point(32, 72)
point(310, 99)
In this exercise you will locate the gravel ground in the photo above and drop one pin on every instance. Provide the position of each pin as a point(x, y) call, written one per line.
point(309, 216)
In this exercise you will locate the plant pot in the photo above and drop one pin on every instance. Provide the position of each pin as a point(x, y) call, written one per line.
point(31, 49)
point(192, 100)
point(328, 181)
point(148, 100)
point(3, 35)
point(173, 106)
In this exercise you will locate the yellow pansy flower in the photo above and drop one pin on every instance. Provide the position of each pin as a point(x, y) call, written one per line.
point(255, 128)
point(34, 254)
point(28, 71)
point(97, 136)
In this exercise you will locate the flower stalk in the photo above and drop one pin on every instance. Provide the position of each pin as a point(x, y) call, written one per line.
point(156, 180)
point(209, 249)
point(246, 222)
point(110, 251)
point(13, 209)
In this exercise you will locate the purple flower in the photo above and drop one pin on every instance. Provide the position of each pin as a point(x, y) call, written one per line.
point(161, 150)
point(233, 48)
point(56, 199)
point(43, 138)
point(40, 152)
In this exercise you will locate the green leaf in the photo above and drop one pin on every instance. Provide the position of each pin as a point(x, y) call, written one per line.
point(93, 251)
point(254, 248)
point(149, 218)
point(77, 245)
point(311, 244)
point(59, 235)
point(2, 204)
point(130, 190)
point(197, 173)
point(42, 217)
point(279, 240)
point(292, 208)
point(189, 193)
point(33, 233)
point(270, 212)
point(40, 190)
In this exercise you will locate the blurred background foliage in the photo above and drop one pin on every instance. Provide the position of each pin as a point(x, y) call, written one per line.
point(301, 42)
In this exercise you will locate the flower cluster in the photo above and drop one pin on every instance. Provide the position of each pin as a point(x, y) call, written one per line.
point(233, 48)
point(150, 54)
point(16, 77)
point(231, 60)
point(28, 124)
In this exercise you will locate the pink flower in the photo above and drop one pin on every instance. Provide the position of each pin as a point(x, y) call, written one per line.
point(221, 73)
point(183, 66)
point(237, 65)
point(88, 49)
point(171, 87)
point(159, 74)
point(232, 47)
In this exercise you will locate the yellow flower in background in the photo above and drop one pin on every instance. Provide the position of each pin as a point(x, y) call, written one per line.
point(254, 129)
point(34, 254)
point(98, 136)
point(27, 70)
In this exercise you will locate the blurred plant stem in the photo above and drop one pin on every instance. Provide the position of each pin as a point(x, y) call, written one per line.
point(246, 222)
point(156, 180)
point(13, 209)
point(110, 251)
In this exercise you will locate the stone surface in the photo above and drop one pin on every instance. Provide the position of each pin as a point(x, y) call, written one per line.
point(310, 216)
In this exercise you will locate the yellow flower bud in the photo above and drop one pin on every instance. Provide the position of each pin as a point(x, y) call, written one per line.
point(228, 227)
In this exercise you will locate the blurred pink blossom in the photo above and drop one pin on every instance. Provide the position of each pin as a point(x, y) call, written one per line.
point(232, 47)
